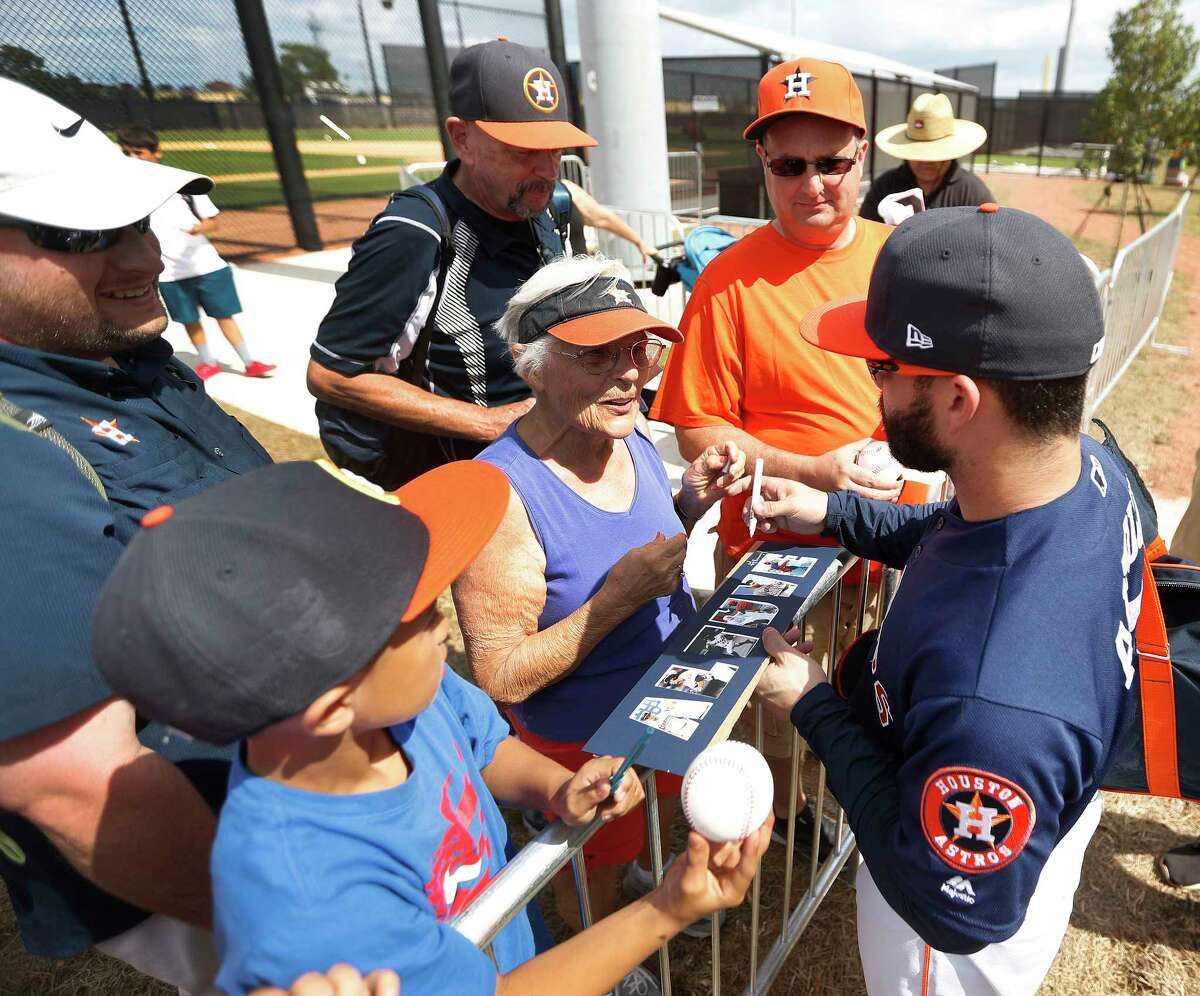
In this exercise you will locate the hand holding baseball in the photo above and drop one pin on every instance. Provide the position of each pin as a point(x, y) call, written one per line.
point(838, 471)
point(708, 877)
point(791, 675)
point(784, 505)
point(708, 479)
point(587, 793)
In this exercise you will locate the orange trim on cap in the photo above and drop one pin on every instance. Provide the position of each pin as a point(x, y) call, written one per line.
point(601, 327)
point(461, 505)
point(537, 134)
point(157, 516)
point(840, 327)
point(1156, 681)
point(989, 207)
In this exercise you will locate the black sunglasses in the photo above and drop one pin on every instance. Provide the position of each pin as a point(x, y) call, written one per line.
point(877, 367)
point(798, 166)
point(73, 240)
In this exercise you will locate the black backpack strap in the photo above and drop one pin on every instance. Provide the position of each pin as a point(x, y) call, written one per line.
point(560, 213)
point(1141, 493)
point(25, 420)
point(416, 359)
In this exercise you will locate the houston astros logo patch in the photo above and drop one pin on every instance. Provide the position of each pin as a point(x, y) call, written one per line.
point(977, 822)
point(541, 90)
point(797, 84)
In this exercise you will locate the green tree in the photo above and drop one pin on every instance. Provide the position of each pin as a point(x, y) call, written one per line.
point(301, 65)
point(1152, 50)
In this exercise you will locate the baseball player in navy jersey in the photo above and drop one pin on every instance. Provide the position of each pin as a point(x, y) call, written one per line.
point(969, 754)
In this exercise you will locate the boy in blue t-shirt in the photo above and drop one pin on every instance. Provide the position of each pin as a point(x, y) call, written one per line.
point(360, 817)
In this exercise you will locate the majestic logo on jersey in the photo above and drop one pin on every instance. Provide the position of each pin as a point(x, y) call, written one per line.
point(541, 90)
point(976, 822)
point(110, 431)
point(916, 339)
point(462, 856)
point(797, 85)
point(960, 890)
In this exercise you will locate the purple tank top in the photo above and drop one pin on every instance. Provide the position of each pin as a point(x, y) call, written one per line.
point(581, 543)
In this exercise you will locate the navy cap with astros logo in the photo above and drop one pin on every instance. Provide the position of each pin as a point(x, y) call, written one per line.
point(985, 291)
point(592, 313)
point(240, 606)
point(515, 94)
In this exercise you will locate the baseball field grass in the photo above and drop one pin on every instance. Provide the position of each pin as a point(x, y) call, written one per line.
point(1130, 934)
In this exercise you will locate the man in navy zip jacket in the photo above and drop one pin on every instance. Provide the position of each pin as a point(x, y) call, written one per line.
point(969, 752)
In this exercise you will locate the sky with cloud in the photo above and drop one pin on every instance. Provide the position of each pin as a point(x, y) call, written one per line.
point(196, 41)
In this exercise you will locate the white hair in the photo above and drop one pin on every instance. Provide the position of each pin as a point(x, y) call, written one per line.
point(564, 272)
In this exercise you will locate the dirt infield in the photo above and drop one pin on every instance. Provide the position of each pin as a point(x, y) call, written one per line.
point(342, 171)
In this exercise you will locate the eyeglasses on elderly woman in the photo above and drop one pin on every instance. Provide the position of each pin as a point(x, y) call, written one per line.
point(604, 359)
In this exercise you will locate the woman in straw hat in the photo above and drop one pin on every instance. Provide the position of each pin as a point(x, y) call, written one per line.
point(929, 142)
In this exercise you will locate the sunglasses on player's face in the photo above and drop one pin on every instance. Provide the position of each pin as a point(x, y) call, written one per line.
point(798, 165)
point(73, 240)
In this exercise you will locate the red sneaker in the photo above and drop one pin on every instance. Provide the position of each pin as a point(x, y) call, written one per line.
point(206, 370)
point(257, 369)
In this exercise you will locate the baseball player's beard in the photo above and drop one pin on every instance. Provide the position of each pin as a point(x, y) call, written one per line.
point(911, 436)
point(517, 203)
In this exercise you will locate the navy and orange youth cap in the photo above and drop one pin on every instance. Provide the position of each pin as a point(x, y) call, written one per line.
point(807, 86)
point(253, 598)
point(985, 291)
point(514, 94)
point(592, 313)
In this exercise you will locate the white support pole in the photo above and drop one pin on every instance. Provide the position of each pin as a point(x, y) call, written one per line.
point(622, 83)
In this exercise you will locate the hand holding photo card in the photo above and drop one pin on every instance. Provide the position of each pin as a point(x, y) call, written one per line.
point(764, 587)
point(743, 612)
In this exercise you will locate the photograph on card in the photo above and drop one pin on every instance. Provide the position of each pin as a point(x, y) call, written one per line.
point(678, 717)
point(786, 564)
point(744, 612)
point(753, 586)
point(697, 681)
point(715, 640)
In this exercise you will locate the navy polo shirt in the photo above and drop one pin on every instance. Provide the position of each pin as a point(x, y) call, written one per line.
point(143, 422)
point(153, 436)
point(388, 291)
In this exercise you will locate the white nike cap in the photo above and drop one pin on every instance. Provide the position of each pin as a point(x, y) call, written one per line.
point(57, 169)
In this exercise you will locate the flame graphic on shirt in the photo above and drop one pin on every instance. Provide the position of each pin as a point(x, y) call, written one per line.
point(462, 856)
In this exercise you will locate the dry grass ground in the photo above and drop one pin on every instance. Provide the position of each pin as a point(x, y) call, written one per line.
point(1129, 935)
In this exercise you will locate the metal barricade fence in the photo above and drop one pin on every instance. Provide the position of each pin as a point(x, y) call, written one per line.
point(536, 864)
point(1133, 293)
point(685, 172)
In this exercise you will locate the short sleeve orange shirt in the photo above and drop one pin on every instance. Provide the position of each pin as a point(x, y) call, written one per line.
point(744, 363)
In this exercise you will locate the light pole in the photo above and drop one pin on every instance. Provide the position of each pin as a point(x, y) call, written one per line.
point(362, 20)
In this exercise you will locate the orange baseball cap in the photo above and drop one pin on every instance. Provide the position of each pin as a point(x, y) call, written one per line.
point(807, 86)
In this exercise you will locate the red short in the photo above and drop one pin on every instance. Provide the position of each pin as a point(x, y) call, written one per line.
point(620, 841)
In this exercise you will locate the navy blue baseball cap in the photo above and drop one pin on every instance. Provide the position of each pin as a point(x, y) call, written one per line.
point(514, 94)
point(592, 313)
point(985, 291)
point(242, 605)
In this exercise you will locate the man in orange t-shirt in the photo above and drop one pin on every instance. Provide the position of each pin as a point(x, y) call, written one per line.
point(743, 371)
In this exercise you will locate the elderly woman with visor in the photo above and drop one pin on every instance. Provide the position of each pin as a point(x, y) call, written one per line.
point(582, 585)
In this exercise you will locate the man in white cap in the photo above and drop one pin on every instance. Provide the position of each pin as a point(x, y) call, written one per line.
point(103, 842)
point(929, 142)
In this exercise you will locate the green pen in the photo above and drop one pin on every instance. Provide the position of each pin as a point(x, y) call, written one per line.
point(634, 754)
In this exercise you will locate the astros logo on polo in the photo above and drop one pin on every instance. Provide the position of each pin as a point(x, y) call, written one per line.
point(975, 821)
point(541, 90)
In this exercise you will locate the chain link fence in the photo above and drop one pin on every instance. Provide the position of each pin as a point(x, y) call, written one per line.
point(354, 74)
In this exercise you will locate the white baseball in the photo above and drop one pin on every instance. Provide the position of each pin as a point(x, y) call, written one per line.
point(877, 458)
point(727, 791)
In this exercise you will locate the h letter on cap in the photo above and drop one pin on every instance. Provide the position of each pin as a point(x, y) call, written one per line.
point(797, 84)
